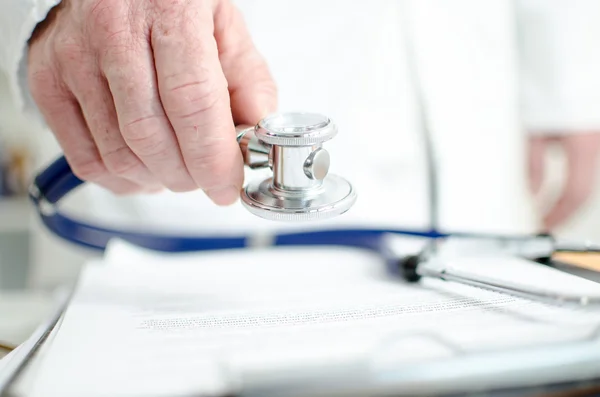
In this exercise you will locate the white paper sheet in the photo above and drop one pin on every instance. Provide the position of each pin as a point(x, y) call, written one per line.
point(6, 359)
point(147, 324)
point(23, 384)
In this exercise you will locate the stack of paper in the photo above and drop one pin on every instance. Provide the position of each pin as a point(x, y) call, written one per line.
point(143, 323)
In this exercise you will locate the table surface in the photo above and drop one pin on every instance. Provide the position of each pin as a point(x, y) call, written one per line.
point(20, 313)
point(587, 261)
point(15, 214)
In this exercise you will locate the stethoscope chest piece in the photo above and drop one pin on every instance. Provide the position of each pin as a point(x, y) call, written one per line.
point(301, 188)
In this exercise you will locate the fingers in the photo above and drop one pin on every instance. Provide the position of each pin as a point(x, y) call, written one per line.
point(581, 152)
point(252, 89)
point(63, 116)
point(536, 162)
point(194, 94)
point(141, 119)
point(99, 112)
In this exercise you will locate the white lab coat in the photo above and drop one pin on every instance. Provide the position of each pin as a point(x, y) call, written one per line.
point(489, 71)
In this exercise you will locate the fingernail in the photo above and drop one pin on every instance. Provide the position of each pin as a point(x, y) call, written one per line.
point(224, 195)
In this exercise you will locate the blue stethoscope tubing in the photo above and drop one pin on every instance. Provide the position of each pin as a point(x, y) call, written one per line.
point(57, 180)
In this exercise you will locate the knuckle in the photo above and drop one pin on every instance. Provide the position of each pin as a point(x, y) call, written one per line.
point(144, 139)
point(42, 83)
point(118, 42)
point(88, 168)
point(66, 49)
point(44, 80)
point(118, 75)
point(71, 59)
point(114, 27)
point(102, 13)
point(121, 162)
point(171, 12)
point(193, 97)
point(175, 5)
point(207, 162)
point(116, 46)
point(210, 169)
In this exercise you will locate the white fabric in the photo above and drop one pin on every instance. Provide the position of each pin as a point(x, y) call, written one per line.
point(18, 18)
point(348, 60)
point(560, 65)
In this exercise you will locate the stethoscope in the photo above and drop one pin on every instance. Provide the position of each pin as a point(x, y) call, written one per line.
point(301, 189)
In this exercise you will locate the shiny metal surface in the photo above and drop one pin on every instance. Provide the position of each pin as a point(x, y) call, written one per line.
point(524, 291)
point(334, 197)
point(295, 129)
point(288, 168)
point(255, 153)
point(317, 164)
point(301, 187)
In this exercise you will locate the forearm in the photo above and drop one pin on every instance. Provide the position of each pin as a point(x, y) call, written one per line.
point(18, 20)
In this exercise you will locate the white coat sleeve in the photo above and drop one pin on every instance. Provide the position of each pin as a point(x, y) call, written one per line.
point(559, 47)
point(18, 19)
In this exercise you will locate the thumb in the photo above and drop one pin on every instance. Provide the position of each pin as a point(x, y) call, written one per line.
point(252, 90)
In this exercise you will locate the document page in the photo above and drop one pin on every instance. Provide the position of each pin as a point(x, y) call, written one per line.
point(6, 359)
point(147, 324)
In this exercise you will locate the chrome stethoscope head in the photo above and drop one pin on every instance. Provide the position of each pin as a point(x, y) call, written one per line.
point(301, 187)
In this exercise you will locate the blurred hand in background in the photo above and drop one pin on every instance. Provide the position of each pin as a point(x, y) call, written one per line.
point(580, 151)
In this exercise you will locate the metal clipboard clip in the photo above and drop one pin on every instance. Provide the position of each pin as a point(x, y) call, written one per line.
point(435, 260)
point(540, 369)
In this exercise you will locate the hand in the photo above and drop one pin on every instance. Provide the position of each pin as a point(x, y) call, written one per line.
point(581, 152)
point(143, 95)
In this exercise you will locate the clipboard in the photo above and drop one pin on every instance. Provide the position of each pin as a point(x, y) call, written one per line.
point(551, 370)
point(556, 370)
point(24, 353)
